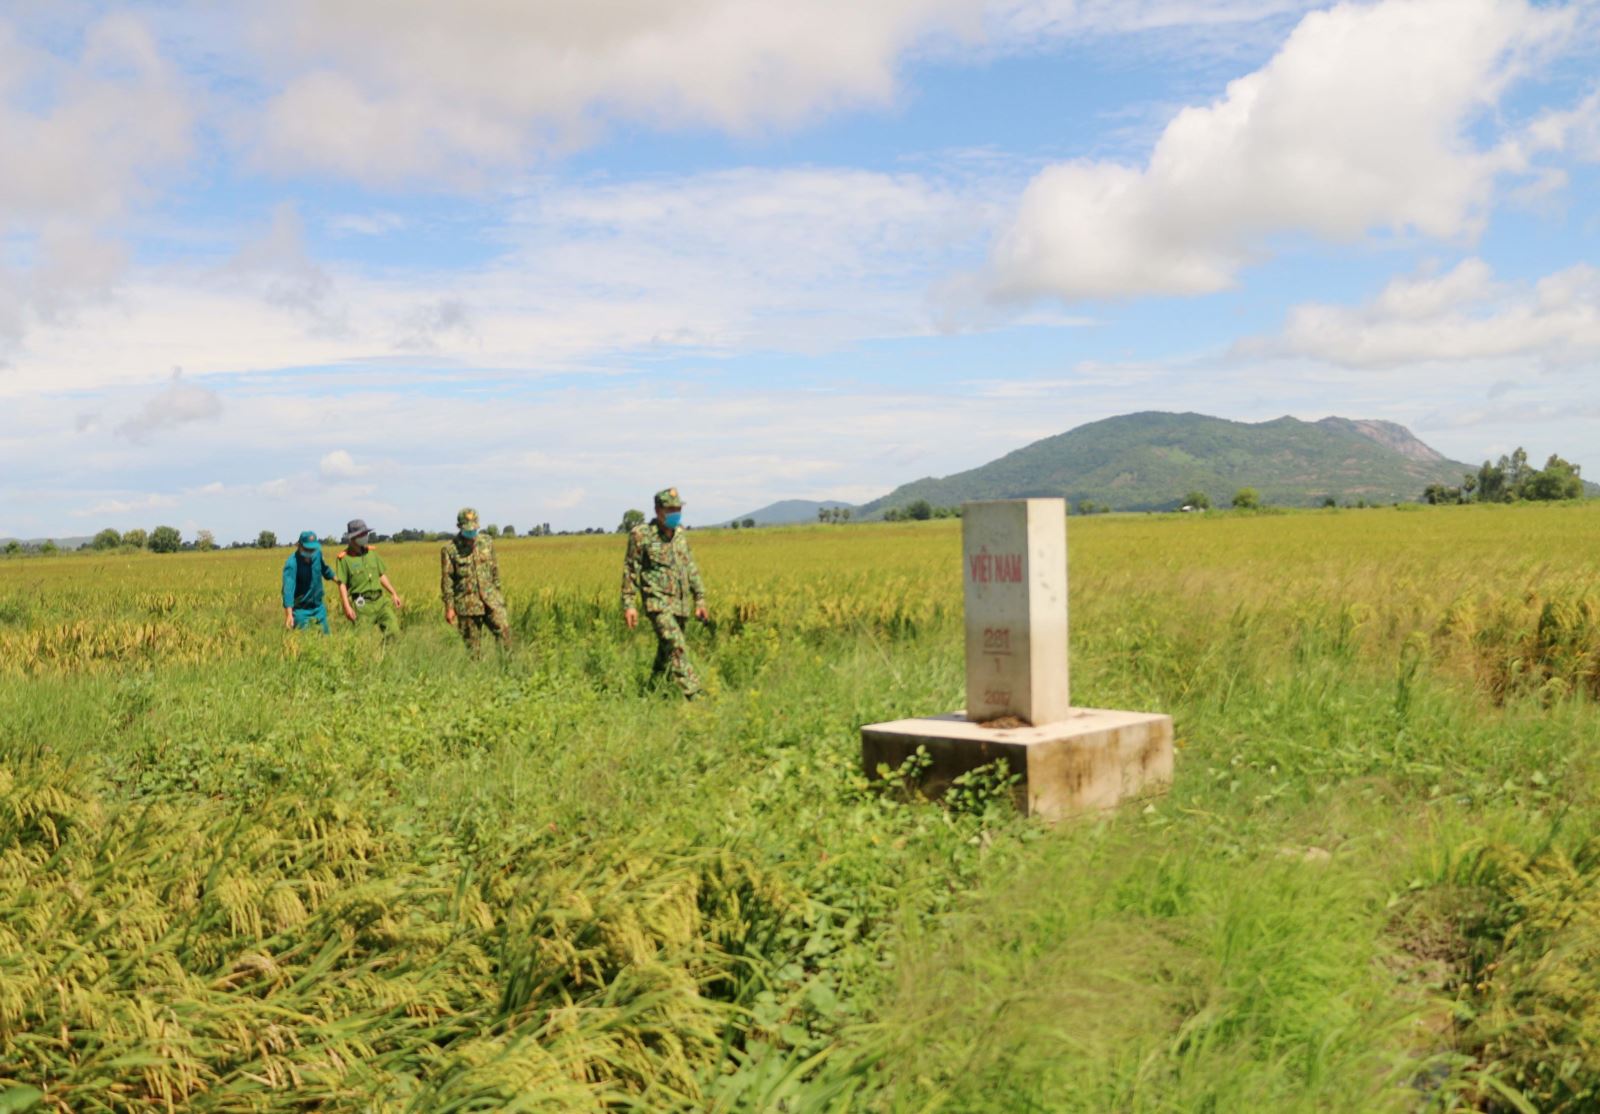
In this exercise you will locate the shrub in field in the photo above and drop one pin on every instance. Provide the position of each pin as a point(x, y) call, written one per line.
point(1549, 646)
point(165, 539)
point(1530, 988)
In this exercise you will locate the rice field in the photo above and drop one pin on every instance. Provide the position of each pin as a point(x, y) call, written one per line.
point(244, 870)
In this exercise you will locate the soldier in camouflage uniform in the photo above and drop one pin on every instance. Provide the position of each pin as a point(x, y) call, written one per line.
point(660, 571)
point(469, 581)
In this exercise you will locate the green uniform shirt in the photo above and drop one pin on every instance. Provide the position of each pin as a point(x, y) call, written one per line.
point(469, 580)
point(662, 571)
point(360, 573)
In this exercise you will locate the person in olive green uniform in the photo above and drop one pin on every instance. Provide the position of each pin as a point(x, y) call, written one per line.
point(659, 572)
point(363, 579)
point(469, 581)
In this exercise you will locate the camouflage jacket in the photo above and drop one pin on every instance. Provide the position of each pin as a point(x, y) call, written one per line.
point(662, 571)
point(469, 579)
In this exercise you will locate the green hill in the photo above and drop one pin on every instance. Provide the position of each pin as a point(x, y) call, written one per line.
point(1149, 461)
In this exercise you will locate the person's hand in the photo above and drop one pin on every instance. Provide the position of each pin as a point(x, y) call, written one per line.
point(450, 615)
point(398, 602)
point(288, 619)
point(350, 613)
point(631, 617)
point(702, 614)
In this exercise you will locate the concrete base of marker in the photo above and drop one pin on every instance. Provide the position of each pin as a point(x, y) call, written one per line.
point(1091, 761)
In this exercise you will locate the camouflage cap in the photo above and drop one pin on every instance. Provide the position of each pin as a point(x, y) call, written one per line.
point(466, 519)
point(668, 497)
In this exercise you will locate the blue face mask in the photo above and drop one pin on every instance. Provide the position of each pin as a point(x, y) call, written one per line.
point(469, 534)
point(671, 519)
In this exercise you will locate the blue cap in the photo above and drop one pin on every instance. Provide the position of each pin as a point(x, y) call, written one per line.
point(308, 540)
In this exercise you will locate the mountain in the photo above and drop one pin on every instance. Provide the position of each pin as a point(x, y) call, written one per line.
point(1151, 460)
point(1389, 434)
point(790, 511)
point(62, 543)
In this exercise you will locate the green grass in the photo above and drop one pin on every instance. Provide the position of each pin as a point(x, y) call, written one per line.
point(245, 871)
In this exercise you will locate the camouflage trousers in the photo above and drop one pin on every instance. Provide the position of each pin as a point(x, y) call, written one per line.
point(494, 620)
point(672, 653)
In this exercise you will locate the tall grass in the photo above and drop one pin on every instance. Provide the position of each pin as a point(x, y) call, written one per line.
point(244, 870)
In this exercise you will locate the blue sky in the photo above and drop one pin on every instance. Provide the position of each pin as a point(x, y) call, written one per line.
point(277, 266)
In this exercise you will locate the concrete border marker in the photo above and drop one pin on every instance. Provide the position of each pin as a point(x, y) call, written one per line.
point(1070, 760)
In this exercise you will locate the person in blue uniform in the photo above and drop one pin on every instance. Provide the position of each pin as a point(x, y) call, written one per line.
point(303, 573)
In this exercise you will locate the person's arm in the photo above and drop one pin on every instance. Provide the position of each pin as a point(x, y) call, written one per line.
point(630, 581)
point(494, 570)
point(288, 593)
point(341, 577)
point(383, 578)
point(696, 586)
point(446, 592)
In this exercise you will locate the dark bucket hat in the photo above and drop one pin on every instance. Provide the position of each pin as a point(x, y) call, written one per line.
point(357, 528)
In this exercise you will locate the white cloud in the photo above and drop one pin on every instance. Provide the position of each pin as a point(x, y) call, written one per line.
point(128, 506)
point(1362, 122)
point(730, 260)
point(427, 328)
point(1575, 130)
point(79, 136)
point(380, 90)
point(1515, 416)
point(80, 139)
point(367, 224)
point(277, 266)
point(723, 262)
point(340, 465)
point(389, 90)
point(181, 402)
point(69, 267)
point(1463, 314)
point(565, 500)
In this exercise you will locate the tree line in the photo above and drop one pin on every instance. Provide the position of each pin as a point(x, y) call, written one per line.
point(919, 510)
point(163, 539)
point(169, 539)
point(1511, 479)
